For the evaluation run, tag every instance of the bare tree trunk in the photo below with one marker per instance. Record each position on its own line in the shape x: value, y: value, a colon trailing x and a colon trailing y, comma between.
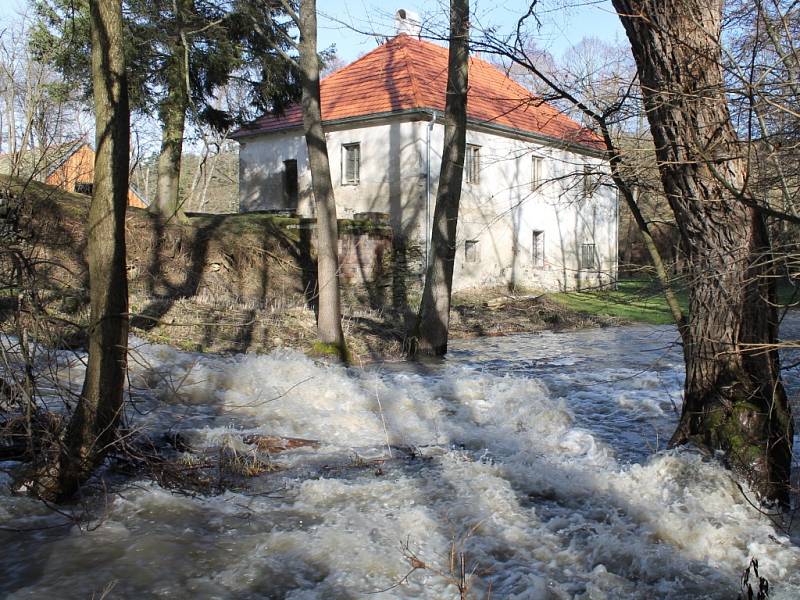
x: 626, y: 191
x: 734, y: 398
x: 627, y: 259
x: 208, y: 176
x: 11, y: 102
x: 329, y: 317
x: 172, y: 114
x: 434, y: 313
x: 92, y: 429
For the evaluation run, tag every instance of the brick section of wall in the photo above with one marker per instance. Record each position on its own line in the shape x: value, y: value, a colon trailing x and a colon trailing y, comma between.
x: 375, y: 268
x: 363, y: 256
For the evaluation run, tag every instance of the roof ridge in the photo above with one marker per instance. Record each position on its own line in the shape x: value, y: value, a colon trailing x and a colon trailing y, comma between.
x: 411, y: 74
x: 361, y: 58
x: 71, y: 147
x: 478, y: 61
x: 515, y: 85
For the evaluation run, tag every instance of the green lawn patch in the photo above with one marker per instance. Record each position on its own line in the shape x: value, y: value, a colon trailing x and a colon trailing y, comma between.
x: 633, y: 300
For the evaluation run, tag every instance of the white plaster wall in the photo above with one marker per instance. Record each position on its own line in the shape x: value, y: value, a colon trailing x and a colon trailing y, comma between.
x: 500, y: 212
x: 392, y: 175
x: 261, y: 172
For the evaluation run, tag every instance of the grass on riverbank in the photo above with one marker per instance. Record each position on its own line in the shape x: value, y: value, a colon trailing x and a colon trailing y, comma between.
x: 633, y: 300
x: 641, y: 300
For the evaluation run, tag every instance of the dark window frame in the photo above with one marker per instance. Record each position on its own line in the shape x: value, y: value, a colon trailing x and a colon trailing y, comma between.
x: 471, y: 252
x: 588, y: 181
x: 351, y: 177
x: 291, y: 183
x: 472, y: 164
x: 537, y: 172
x: 588, y: 257
x: 537, y: 248
x: 84, y: 187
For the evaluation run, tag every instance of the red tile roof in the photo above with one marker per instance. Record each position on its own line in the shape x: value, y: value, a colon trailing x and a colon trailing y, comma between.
x: 407, y: 74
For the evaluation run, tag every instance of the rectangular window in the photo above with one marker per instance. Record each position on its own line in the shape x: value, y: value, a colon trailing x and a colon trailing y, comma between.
x: 537, y: 249
x: 290, y: 183
x: 471, y: 251
x: 472, y: 164
x: 536, y: 172
x: 351, y: 166
x: 588, y: 257
x: 588, y: 181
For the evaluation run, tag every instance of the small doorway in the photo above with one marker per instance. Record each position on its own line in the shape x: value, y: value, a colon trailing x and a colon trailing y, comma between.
x: 290, y: 183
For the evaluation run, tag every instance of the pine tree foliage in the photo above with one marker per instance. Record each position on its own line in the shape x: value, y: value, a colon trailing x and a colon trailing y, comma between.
x: 215, y: 39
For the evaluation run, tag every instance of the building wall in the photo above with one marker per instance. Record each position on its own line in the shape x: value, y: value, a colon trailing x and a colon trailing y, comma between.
x: 78, y: 169
x: 498, y: 213
x: 504, y: 208
x: 391, y: 178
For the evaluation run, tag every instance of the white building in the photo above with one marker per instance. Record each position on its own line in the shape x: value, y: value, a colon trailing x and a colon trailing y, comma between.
x: 537, y: 207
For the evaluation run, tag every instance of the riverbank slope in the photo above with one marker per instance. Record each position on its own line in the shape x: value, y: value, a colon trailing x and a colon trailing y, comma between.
x: 244, y: 283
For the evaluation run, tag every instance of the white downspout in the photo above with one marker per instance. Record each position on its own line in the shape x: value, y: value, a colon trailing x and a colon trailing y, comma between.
x: 428, y: 189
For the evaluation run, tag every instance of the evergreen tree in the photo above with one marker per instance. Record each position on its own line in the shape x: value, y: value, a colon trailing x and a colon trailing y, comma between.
x: 179, y: 54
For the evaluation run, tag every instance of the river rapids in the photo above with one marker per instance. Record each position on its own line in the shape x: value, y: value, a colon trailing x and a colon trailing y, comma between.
x: 540, y: 459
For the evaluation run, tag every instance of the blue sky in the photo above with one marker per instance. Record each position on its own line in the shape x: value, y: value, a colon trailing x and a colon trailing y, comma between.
x: 343, y: 22
x: 8, y: 8
x: 564, y: 22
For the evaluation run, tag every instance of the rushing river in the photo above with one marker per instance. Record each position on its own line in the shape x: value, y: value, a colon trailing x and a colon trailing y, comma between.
x: 540, y: 457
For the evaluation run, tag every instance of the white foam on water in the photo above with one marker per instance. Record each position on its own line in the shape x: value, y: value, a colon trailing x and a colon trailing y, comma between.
x: 515, y: 476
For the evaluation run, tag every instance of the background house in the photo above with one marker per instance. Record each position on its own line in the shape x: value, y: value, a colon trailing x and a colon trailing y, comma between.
x: 536, y: 209
x: 69, y: 166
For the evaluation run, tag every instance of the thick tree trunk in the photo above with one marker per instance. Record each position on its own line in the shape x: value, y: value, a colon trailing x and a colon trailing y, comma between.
x: 733, y: 397
x: 434, y: 313
x: 329, y: 316
x: 92, y: 428
x: 172, y: 113
x: 627, y: 259
x: 173, y: 117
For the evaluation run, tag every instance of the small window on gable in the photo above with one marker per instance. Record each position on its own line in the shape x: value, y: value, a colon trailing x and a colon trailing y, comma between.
x: 472, y: 164
x: 351, y: 163
x: 290, y: 182
x: 471, y: 251
x: 536, y: 172
x: 588, y: 258
x: 83, y: 187
x: 537, y: 249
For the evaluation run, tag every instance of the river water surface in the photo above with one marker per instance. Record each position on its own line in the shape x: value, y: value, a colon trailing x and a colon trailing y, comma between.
x: 540, y: 457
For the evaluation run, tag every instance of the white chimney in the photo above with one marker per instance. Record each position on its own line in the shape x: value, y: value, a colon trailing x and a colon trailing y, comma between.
x: 408, y: 22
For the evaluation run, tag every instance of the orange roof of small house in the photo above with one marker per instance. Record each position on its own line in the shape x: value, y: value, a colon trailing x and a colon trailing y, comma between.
x: 407, y: 74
